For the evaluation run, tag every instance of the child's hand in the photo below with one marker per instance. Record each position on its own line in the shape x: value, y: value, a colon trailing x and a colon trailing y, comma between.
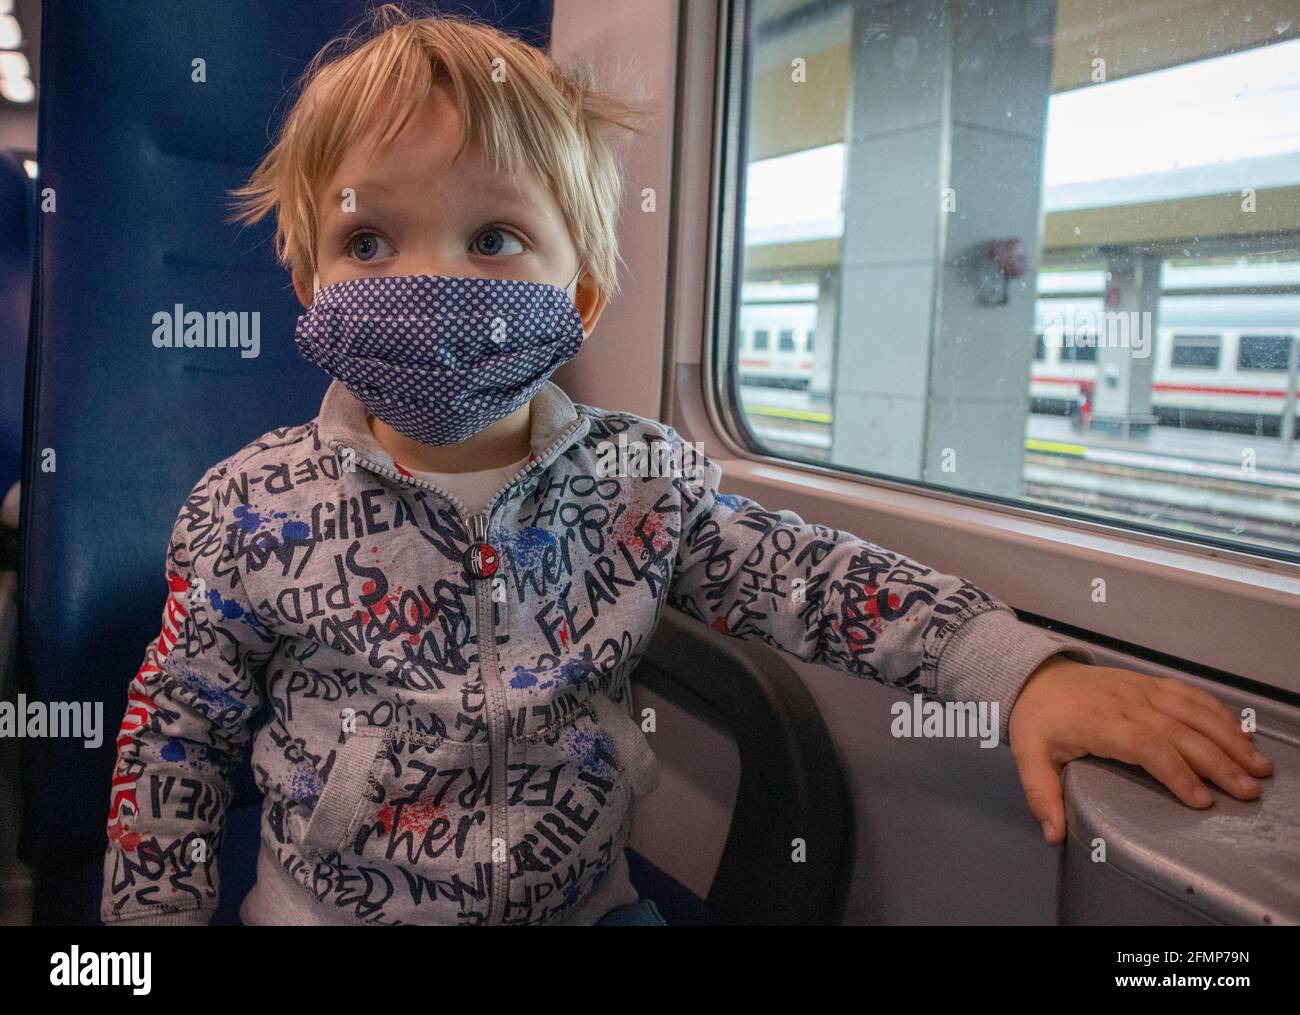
x: 1175, y: 731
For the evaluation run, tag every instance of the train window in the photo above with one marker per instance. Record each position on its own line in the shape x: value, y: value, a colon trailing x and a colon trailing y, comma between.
x: 1077, y: 349
x: 760, y: 339
x: 808, y: 342
x: 955, y: 190
x: 785, y: 340
x: 1199, y: 351
x: 1263, y: 352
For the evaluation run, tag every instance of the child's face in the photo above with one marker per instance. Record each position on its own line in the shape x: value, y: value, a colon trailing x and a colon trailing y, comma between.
x: 416, y: 212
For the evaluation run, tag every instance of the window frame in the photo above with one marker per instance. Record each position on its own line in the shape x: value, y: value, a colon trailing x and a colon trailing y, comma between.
x: 1026, y: 554
x: 724, y: 264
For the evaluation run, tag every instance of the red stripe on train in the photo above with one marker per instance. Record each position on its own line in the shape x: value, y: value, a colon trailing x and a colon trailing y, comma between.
x: 1200, y: 389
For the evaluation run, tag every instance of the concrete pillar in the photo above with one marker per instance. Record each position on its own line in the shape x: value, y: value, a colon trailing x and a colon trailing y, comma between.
x: 828, y: 305
x: 944, y: 143
x: 1288, y: 424
x: 1125, y: 338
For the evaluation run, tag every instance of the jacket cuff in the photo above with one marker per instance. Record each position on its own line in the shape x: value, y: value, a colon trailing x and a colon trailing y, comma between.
x: 183, y: 918
x: 990, y: 657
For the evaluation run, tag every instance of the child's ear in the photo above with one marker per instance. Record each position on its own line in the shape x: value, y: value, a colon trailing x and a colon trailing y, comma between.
x: 302, y: 286
x: 589, y: 298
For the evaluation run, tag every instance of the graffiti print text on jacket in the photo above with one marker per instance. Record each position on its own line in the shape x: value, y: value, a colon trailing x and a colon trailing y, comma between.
x: 436, y: 748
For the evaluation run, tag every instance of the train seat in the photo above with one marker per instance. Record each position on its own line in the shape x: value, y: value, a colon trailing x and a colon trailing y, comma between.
x: 132, y: 430
x: 15, y: 311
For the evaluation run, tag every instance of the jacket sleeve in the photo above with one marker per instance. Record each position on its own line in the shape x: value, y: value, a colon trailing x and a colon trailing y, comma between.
x: 185, y: 728
x: 826, y: 596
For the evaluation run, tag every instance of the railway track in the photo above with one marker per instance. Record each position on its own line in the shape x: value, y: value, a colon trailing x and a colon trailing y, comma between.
x: 1260, y: 508
x: 1239, y: 509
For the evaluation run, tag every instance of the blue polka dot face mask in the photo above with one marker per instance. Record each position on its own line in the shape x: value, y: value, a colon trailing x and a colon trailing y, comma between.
x: 438, y: 357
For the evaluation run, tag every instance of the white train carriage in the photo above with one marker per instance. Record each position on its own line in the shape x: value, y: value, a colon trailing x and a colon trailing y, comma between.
x: 1220, y: 360
x: 778, y: 325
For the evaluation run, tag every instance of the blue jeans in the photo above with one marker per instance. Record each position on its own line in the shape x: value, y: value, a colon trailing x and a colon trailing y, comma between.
x: 639, y: 914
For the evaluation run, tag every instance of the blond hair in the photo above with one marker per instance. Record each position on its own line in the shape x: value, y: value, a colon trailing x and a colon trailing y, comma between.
x: 516, y: 105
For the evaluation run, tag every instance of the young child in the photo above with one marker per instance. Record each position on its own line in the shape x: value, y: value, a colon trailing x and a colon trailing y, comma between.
x: 437, y: 589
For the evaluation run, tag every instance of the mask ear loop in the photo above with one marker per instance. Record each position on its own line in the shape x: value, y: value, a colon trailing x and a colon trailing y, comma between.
x: 571, y: 290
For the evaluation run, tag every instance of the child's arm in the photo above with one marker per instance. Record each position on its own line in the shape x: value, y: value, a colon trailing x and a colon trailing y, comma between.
x: 826, y: 596
x: 185, y: 729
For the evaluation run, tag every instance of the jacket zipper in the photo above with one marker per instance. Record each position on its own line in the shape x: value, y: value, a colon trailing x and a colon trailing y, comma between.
x: 494, y: 692
x: 498, y: 726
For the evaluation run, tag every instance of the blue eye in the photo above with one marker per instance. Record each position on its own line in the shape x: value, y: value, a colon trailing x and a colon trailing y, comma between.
x: 366, y: 246
x: 494, y: 241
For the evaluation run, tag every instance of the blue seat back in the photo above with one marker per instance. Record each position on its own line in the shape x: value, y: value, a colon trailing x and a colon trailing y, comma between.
x: 15, y: 311
x: 139, y: 157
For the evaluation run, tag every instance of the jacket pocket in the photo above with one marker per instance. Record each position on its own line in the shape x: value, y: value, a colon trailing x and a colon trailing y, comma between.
x: 345, y: 792
x: 411, y: 809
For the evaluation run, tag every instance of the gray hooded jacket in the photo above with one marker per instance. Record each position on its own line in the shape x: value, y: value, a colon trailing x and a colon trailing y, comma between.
x: 439, y: 748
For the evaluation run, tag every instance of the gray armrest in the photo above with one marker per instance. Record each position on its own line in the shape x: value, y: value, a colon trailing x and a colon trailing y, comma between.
x: 1237, y: 862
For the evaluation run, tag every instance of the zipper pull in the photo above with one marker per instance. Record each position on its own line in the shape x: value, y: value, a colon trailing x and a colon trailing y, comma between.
x: 481, y: 558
